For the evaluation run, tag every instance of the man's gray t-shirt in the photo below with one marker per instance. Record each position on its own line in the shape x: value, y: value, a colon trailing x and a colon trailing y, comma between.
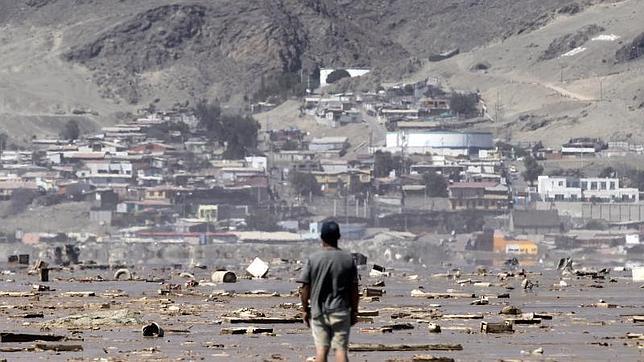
x: 331, y: 273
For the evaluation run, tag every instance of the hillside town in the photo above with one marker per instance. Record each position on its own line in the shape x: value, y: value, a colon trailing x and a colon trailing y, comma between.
x: 430, y: 166
x: 197, y: 217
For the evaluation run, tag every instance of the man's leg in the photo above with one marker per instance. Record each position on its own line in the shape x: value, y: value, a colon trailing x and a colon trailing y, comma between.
x: 322, y: 337
x: 321, y: 353
x: 341, y: 325
x: 341, y: 355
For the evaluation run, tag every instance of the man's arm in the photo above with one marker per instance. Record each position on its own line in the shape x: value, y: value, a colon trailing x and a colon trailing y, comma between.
x: 305, y: 295
x: 355, y: 299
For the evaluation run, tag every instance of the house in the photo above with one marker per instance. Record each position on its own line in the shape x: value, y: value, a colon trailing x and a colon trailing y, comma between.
x: 535, y: 222
x: 479, y: 196
x: 154, y: 149
x: 106, y: 172
x: 582, y: 146
x: 208, y: 212
x: 584, y: 189
x: 331, y: 182
x: 7, y: 188
x: 328, y: 144
x: 494, y: 241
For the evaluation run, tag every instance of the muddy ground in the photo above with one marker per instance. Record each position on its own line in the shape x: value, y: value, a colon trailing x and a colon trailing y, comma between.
x: 591, y: 316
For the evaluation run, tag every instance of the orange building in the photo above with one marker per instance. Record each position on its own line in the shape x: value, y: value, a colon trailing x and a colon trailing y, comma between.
x: 507, y: 245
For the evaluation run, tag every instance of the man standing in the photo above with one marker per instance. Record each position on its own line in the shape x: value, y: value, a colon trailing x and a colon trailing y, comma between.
x: 330, y: 281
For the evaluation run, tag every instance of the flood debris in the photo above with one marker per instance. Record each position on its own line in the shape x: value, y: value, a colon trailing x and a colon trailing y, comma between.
x: 84, y: 294
x: 378, y: 271
x: 447, y: 295
x: 123, y: 274
x: 481, y: 301
x: 258, y: 268
x: 97, y: 319
x: 152, y: 330
x: 433, y: 328
x: 359, y: 258
x: 223, y: 276
x: 510, y: 310
x: 462, y: 316
x: 7, y: 337
x: 429, y: 357
x: 58, y: 347
x: 638, y: 273
x: 565, y: 264
x: 377, y: 347
x: 534, y: 352
x: 264, y: 320
x: 373, y: 292
x: 44, y: 275
x: 502, y: 327
x: 246, y: 330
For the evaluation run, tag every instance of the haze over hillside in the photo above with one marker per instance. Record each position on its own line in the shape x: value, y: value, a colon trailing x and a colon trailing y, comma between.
x: 95, y: 60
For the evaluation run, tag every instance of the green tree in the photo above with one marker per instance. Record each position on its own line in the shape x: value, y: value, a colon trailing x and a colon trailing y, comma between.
x: 71, y: 130
x: 238, y: 133
x: 4, y: 139
x: 336, y: 75
x: 20, y: 200
x: 435, y: 184
x: 263, y: 220
x: 463, y: 103
x: 532, y: 170
x: 209, y: 116
x: 384, y: 163
x: 304, y: 183
x: 608, y: 172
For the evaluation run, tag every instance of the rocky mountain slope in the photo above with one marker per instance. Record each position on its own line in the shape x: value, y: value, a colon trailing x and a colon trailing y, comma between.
x: 95, y: 60
x: 578, y: 76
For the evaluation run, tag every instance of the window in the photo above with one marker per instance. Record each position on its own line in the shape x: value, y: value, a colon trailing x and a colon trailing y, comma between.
x: 612, y: 185
x: 584, y: 185
x: 593, y: 185
x: 561, y: 183
x: 559, y: 197
x: 602, y: 185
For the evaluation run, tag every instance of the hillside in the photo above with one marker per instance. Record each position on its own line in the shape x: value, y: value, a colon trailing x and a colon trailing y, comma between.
x: 96, y: 60
x: 577, y: 76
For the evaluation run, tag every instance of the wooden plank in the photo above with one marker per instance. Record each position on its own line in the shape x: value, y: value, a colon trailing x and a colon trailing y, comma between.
x: 8, y: 337
x: 503, y: 327
x: 59, y: 347
x: 429, y: 357
x: 249, y: 330
x: 377, y: 347
x: 264, y: 320
x: 462, y: 316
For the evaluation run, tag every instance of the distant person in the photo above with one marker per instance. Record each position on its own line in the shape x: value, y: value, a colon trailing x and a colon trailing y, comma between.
x: 330, y: 281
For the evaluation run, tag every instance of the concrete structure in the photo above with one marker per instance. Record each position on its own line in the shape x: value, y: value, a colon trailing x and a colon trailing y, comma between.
x: 584, y: 189
x: 479, y: 196
x: 328, y: 144
x: 353, y: 72
x: 442, y: 142
x: 535, y: 222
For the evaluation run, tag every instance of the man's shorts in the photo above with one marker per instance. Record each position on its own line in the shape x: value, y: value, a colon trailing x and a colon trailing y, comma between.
x: 332, y: 329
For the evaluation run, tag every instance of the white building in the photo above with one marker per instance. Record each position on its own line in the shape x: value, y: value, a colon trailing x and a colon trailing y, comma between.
x: 452, y: 143
x: 584, y: 189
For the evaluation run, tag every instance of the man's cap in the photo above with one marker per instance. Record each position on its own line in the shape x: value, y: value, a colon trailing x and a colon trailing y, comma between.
x: 330, y: 231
